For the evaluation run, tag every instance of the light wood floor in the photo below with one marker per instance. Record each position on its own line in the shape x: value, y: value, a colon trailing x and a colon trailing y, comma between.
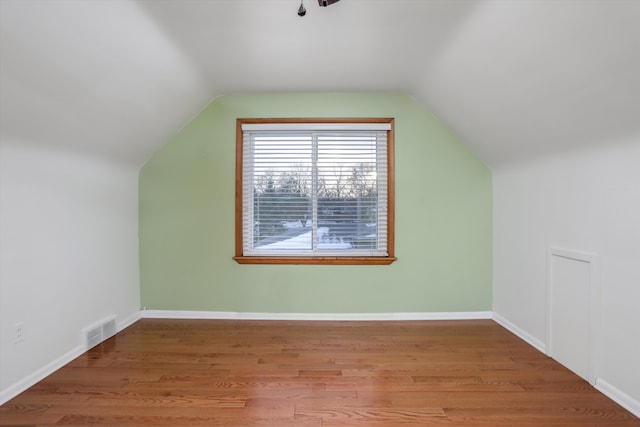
x: 320, y: 374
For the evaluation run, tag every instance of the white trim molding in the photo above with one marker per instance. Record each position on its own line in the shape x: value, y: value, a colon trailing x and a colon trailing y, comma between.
x: 229, y: 315
x: 37, y: 376
x: 521, y: 333
x: 128, y: 321
x: 48, y: 369
x: 629, y: 403
x: 618, y: 396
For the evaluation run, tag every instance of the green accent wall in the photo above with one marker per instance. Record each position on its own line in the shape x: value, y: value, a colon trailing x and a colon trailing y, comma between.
x: 443, y: 219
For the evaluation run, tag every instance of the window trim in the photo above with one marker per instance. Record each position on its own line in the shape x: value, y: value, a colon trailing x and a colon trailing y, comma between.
x: 335, y: 260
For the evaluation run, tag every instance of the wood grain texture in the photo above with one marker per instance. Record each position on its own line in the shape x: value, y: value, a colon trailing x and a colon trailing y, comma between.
x: 314, y: 374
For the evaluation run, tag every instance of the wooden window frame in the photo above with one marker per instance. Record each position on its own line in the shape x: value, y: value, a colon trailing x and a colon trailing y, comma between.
x: 315, y: 260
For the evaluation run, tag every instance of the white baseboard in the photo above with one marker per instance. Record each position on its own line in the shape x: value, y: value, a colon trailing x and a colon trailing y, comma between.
x: 33, y: 378
x: 613, y: 393
x: 125, y: 323
x: 539, y: 345
x: 40, y: 374
x: 229, y: 315
x: 618, y: 396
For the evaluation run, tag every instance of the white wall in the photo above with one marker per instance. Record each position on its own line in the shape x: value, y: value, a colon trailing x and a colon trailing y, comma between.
x: 586, y: 201
x: 68, y: 255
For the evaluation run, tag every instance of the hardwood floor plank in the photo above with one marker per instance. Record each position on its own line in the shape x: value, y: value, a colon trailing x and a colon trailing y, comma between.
x: 127, y: 421
x: 569, y: 417
x: 372, y: 414
x: 302, y: 394
x: 314, y: 374
x: 196, y: 410
x: 172, y: 400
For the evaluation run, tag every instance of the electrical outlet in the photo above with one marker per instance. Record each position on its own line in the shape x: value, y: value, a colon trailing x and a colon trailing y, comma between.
x: 19, y: 332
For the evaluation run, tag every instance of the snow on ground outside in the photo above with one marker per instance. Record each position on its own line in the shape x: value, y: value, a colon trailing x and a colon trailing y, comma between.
x: 303, y: 241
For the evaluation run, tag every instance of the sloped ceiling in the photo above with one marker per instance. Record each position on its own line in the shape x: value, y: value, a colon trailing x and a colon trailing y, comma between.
x: 512, y: 79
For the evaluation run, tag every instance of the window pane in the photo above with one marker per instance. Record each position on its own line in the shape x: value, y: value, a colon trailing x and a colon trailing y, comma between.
x: 282, y: 193
x: 347, y: 191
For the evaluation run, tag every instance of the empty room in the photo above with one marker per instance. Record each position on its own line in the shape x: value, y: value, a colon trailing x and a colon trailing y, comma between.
x: 320, y: 212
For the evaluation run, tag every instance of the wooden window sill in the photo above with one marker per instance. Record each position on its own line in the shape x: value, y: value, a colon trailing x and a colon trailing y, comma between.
x: 315, y: 260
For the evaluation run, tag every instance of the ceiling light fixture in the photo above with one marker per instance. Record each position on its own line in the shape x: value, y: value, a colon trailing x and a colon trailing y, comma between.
x: 322, y: 3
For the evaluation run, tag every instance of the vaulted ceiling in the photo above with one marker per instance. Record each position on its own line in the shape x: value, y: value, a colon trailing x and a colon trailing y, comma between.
x: 512, y: 78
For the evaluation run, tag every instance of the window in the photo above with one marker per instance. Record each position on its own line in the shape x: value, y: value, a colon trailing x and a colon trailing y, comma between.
x: 314, y: 191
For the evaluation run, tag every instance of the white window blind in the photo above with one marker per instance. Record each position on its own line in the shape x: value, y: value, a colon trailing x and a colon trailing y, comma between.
x: 310, y: 190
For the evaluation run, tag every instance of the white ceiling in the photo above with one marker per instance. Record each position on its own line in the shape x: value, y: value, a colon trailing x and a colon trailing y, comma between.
x: 512, y: 78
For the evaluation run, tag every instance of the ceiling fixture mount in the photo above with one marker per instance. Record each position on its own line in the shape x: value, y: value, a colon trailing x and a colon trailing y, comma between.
x: 322, y: 3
